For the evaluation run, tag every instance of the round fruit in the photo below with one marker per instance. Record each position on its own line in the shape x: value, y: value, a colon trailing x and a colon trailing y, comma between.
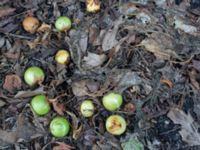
x: 30, y: 24
x: 40, y: 105
x: 87, y: 108
x: 115, y: 125
x: 63, y: 23
x: 62, y: 57
x: 92, y: 5
x: 34, y: 75
x: 59, y: 127
x: 112, y: 101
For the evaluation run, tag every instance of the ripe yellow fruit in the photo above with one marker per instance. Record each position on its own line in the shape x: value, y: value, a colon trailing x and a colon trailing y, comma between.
x: 92, y: 5
x: 30, y: 24
x: 62, y: 57
x: 116, y: 125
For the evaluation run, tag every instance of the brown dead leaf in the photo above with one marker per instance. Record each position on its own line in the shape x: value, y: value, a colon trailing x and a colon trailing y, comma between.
x: 196, y: 64
x: 155, y: 48
x: 12, y: 82
x: 168, y: 82
x: 109, y: 40
x: 62, y: 146
x: 193, y: 74
x: 75, y: 125
x: 189, y: 131
x: 93, y: 60
x: 24, y: 131
x: 24, y: 94
x: 44, y: 28
x: 58, y: 107
x: 79, y: 88
x: 5, y: 11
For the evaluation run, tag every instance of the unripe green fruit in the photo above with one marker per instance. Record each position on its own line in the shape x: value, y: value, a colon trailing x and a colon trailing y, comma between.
x: 59, y: 127
x: 63, y: 23
x: 40, y: 105
x: 112, y: 101
x: 115, y: 125
x: 87, y: 108
x: 34, y: 75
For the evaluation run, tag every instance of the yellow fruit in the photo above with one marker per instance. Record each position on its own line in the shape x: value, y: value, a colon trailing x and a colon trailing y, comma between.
x: 93, y: 5
x: 62, y: 57
x: 30, y: 24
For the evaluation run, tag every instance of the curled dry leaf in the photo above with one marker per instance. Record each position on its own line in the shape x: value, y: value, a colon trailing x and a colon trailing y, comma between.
x: 189, y: 130
x: 77, y: 130
x: 24, y: 94
x: 93, y: 60
x: 58, y: 107
x: 44, y: 28
x: 12, y: 82
x: 167, y: 82
x: 62, y: 146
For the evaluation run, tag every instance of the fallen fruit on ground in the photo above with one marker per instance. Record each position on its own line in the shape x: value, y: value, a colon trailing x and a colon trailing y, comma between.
x: 34, y: 75
x: 62, y: 57
x: 112, y: 101
x: 116, y: 125
x: 59, y: 127
x: 30, y: 24
x: 40, y: 105
x: 87, y: 108
x: 63, y: 23
x: 92, y: 5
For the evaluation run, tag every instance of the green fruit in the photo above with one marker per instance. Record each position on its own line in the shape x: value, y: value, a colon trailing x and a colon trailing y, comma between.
x: 87, y: 108
x: 63, y: 23
x: 34, y: 75
x: 112, y: 101
x: 40, y: 105
x: 59, y: 127
x: 115, y: 125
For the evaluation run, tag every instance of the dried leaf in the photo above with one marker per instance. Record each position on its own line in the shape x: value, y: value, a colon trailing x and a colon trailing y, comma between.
x: 94, y: 60
x: 157, y: 49
x: 125, y: 78
x: 8, y: 137
x: 58, y: 107
x: 4, y: 11
x: 79, y: 88
x: 44, y: 28
x: 189, y: 131
x: 196, y: 64
x: 109, y: 40
x: 2, y: 103
x: 168, y: 82
x: 62, y: 146
x: 12, y: 82
x: 24, y: 94
x: 193, y: 74
x: 179, y: 24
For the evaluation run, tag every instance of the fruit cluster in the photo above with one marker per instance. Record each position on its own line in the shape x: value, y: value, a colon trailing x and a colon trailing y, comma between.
x: 34, y: 75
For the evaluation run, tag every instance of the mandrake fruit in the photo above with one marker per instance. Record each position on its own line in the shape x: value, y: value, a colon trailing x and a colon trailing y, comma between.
x: 30, y: 24
x: 62, y: 57
x: 112, y: 101
x: 87, y: 108
x: 116, y: 125
x: 34, y: 75
x: 59, y: 127
x: 63, y: 23
x: 92, y: 5
x: 40, y: 105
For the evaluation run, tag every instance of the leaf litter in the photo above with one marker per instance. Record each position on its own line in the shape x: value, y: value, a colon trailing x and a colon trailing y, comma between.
x: 146, y: 50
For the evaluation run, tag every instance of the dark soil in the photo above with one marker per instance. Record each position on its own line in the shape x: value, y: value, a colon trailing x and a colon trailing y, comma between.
x: 147, y: 50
